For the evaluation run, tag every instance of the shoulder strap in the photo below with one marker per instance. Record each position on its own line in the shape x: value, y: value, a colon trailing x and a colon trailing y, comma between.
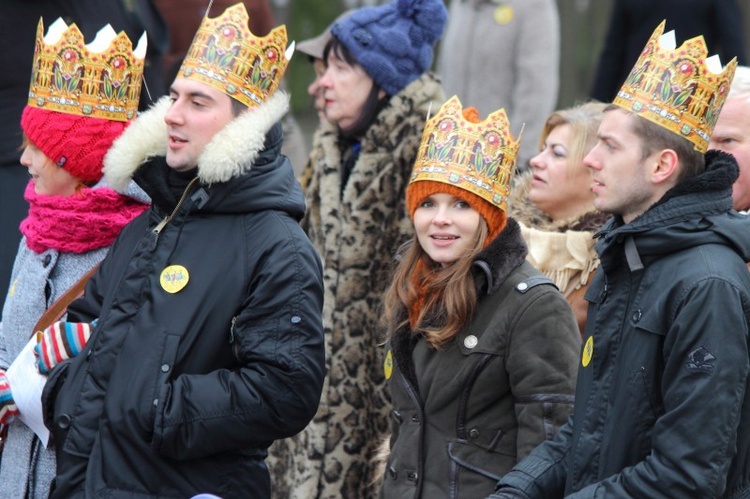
x: 58, y: 309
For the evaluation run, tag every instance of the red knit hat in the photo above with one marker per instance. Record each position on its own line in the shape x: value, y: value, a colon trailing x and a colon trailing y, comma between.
x: 492, y: 215
x: 76, y: 143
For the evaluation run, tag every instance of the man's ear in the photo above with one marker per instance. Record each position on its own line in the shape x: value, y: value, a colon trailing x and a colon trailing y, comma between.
x: 666, y: 168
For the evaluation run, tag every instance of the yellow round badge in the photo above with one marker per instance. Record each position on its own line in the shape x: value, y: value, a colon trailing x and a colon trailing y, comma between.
x: 504, y: 14
x: 588, y: 352
x: 174, y: 278
x: 388, y: 365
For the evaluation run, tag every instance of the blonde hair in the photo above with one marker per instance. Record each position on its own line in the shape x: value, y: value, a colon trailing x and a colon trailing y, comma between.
x: 584, y: 120
x: 448, y: 294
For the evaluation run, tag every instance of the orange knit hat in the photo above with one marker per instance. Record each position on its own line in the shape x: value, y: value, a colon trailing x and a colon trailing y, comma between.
x: 492, y: 215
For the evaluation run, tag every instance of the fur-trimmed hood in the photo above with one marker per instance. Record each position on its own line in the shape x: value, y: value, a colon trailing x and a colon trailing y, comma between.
x: 231, y: 152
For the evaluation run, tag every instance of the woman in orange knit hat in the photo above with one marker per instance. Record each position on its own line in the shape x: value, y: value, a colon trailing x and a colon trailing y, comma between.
x: 482, y: 349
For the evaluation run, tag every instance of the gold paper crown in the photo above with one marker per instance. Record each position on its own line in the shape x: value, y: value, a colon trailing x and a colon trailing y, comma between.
x: 227, y: 56
x: 100, y: 80
x: 477, y: 157
x: 679, y: 89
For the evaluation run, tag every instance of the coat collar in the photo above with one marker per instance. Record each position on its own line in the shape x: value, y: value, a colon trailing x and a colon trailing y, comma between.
x: 503, y: 255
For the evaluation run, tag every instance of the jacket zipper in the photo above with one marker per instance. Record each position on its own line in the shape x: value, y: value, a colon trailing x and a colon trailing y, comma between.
x: 160, y: 226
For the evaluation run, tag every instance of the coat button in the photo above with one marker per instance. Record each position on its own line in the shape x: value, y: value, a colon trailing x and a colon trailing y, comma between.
x: 474, y: 433
x: 470, y: 341
x: 47, y: 259
x: 415, y: 418
x: 156, y: 402
x: 64, y: 422
x: 637, y: 315
x: 164, y: 368
x: 397, y: 417
x: 392, y: 472
x: 412, y: 476
x: 522, y: 286
x: 296, y: 319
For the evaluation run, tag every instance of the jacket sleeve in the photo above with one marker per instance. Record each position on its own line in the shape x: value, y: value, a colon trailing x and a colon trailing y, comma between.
x: 541, y: 475
x: 542, y: 365
x: 704, y: 381
x: 278, y: 340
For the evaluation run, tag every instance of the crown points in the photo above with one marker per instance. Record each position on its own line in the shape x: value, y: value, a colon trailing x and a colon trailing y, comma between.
x: 458, y: 149
x: 101, y: 79
x: 680, y: 89
x: 226, y: 55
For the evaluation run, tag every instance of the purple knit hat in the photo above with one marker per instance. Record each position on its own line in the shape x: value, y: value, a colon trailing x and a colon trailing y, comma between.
x: 393, y: 42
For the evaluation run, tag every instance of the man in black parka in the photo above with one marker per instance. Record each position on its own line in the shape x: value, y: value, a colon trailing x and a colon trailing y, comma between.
x: 662, y: 406
x: 209, y: 343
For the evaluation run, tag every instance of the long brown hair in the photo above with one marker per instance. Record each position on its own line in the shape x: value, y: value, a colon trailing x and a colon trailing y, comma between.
x: 437, y: 301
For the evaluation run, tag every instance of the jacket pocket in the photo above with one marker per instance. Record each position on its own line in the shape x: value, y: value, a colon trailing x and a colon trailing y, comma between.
x: 474, y: 471
x: 160, y: 390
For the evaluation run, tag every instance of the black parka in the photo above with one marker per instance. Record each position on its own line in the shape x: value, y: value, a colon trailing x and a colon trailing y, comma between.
x: 181, y: 392
x: 662, y: 402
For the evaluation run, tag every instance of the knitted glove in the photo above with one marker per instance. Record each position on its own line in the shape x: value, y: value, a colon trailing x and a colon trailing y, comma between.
x: 8, y: 409
x: 60, y: 341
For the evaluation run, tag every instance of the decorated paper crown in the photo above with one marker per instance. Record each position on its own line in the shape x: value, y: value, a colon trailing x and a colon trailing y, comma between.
x: 477, y: 157
x: 100, y: 80
x: 681, y: 90
x: 227, y: 56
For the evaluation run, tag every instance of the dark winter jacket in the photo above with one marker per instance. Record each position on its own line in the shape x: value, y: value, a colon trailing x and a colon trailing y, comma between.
x: 194, y: 371
x: 463, y: 415
x: 662, y: 406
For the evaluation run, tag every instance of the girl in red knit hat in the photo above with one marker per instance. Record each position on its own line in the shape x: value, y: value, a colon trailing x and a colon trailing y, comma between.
x: 482, y: 349
x: 73, y: 219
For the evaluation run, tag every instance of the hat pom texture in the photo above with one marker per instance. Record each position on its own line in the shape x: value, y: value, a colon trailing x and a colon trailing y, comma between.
x: 393, y: 42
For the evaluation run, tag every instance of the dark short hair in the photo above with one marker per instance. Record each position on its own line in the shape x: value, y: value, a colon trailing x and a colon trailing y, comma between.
x: 655, y: 138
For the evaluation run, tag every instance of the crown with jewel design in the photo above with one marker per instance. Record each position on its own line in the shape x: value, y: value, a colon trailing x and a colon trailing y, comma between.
x: 682, y: 90
x: 477, y: 157
x: 99, y: 80
x: 227, y: 56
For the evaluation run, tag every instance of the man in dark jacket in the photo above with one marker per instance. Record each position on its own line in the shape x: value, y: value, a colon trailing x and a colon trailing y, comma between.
x: 662, y: 405
x: 209, y: 341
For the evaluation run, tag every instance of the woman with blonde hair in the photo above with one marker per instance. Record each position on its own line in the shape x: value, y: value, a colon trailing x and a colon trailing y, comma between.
x: 554, y: 204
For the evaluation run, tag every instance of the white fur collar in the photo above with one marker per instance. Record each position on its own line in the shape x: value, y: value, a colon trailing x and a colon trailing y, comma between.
x: 230, y: 153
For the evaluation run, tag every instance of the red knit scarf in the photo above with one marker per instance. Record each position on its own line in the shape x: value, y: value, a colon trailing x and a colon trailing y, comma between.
x: 88, y: 220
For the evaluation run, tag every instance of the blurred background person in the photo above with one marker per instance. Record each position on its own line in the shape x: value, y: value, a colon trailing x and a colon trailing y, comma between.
x: 504, y: 54
x: 482, y: 349
x: 631, y: 23
x: 554, y: 204
x: 72, y: 219
x: 732, y: 134
x: 377, y: 92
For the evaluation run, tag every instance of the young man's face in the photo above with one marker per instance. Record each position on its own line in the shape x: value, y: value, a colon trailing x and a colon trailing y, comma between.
x: 620, y: 175
x: 198, y: 112
x: 732, y: 134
